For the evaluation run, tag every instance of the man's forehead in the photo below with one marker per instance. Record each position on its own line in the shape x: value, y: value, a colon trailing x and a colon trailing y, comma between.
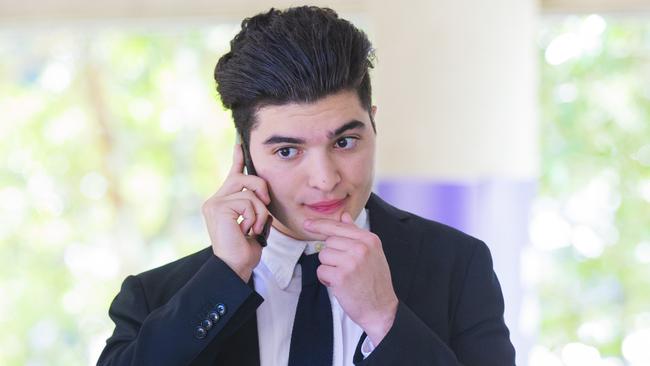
x: 341, y: 102
x: 321, y: 117
x: 303, y: 136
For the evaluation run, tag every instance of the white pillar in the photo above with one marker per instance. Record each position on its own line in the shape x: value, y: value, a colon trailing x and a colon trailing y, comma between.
x: 455, y: 84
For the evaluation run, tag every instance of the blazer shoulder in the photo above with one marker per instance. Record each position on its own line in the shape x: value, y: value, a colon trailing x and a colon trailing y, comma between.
x: 431, y: 235
x: 444, y: 238
x: 441, y: 233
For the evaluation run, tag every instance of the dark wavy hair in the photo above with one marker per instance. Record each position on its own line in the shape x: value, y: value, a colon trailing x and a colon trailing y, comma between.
x: 299, y: 55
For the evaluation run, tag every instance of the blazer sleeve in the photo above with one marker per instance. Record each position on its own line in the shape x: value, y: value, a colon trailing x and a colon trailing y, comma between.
x: 167, y: 335
x: 479, y: 335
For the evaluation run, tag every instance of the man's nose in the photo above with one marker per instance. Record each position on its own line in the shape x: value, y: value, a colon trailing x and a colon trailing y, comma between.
x: 323, y: 173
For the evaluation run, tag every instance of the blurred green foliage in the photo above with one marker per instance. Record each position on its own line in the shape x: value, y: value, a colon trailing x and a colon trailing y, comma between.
x: 111, y: 141
x: 595, y: 134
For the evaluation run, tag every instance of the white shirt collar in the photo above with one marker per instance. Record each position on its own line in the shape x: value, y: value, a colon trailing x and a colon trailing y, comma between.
x: 282, y: 252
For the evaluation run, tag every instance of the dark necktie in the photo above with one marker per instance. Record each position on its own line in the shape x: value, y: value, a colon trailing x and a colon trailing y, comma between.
x: 312, y: 338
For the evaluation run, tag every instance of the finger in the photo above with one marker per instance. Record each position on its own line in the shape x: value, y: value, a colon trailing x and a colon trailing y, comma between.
x: 237, y: 161
x: 339, y: 243
x: 329, y: 227
x: 327, y: 275
x: 347, y: 218
x: 350, y: 248
x: 261, y: 212
x: 333, y: 257
x: 240, y: 182
x: 255, y: 184
x: 245, y: 226
x: 245, y: 209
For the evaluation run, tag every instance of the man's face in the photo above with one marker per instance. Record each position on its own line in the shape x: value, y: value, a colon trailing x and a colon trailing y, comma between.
x: 317, y: 158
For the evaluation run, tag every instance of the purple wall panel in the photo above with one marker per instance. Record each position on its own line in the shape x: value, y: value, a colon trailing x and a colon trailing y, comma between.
x: 478, y: 208
x: 494, y: 210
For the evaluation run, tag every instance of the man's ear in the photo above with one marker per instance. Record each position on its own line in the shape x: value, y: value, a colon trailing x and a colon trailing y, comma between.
x: 373, y: 111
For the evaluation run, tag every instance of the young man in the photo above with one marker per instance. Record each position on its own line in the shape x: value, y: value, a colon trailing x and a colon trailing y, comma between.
x: 343, y: 278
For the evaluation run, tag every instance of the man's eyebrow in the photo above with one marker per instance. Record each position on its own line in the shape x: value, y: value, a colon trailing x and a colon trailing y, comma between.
x: 275, y: 139
x: 348, y: 126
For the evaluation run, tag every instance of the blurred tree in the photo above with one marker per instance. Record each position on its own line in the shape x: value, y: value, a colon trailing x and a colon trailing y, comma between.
x: 111, y: 141
x: 591, y: 223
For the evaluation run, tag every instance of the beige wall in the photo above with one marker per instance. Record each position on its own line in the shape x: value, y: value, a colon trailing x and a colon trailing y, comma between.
x: 455, y: 85
x: 71, y: 9
x: 48, y: 9
x: 595, y: 6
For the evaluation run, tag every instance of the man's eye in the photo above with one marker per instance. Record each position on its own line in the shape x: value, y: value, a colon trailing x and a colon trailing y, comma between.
x: 346, y: 142
x: 287, y: 152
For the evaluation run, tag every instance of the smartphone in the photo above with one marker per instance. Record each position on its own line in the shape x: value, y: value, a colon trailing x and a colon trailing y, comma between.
x: 250, y: 170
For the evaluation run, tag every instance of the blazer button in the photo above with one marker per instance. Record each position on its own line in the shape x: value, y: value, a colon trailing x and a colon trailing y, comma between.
x: 200, y: 333
x: 221, y: 309
x: 207, y: 324
x: 213, y: 317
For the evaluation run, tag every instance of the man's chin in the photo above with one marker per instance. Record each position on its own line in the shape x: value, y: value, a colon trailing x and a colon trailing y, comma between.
x: 295, y: 228
x: 293, y: 233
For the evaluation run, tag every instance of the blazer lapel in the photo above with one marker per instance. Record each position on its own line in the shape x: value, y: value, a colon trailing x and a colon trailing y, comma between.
x: 399, y: 244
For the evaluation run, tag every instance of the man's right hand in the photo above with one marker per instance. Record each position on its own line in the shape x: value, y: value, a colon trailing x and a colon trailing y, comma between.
x: 221, y: 211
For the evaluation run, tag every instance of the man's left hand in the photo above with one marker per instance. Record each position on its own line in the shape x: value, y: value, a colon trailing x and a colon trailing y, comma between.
x: 354, y: 267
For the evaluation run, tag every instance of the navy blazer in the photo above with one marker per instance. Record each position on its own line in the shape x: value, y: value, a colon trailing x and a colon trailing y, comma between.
x: 450, y: 308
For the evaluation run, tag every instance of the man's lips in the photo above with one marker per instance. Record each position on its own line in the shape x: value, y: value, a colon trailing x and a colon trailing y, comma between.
x: 327, y: 206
